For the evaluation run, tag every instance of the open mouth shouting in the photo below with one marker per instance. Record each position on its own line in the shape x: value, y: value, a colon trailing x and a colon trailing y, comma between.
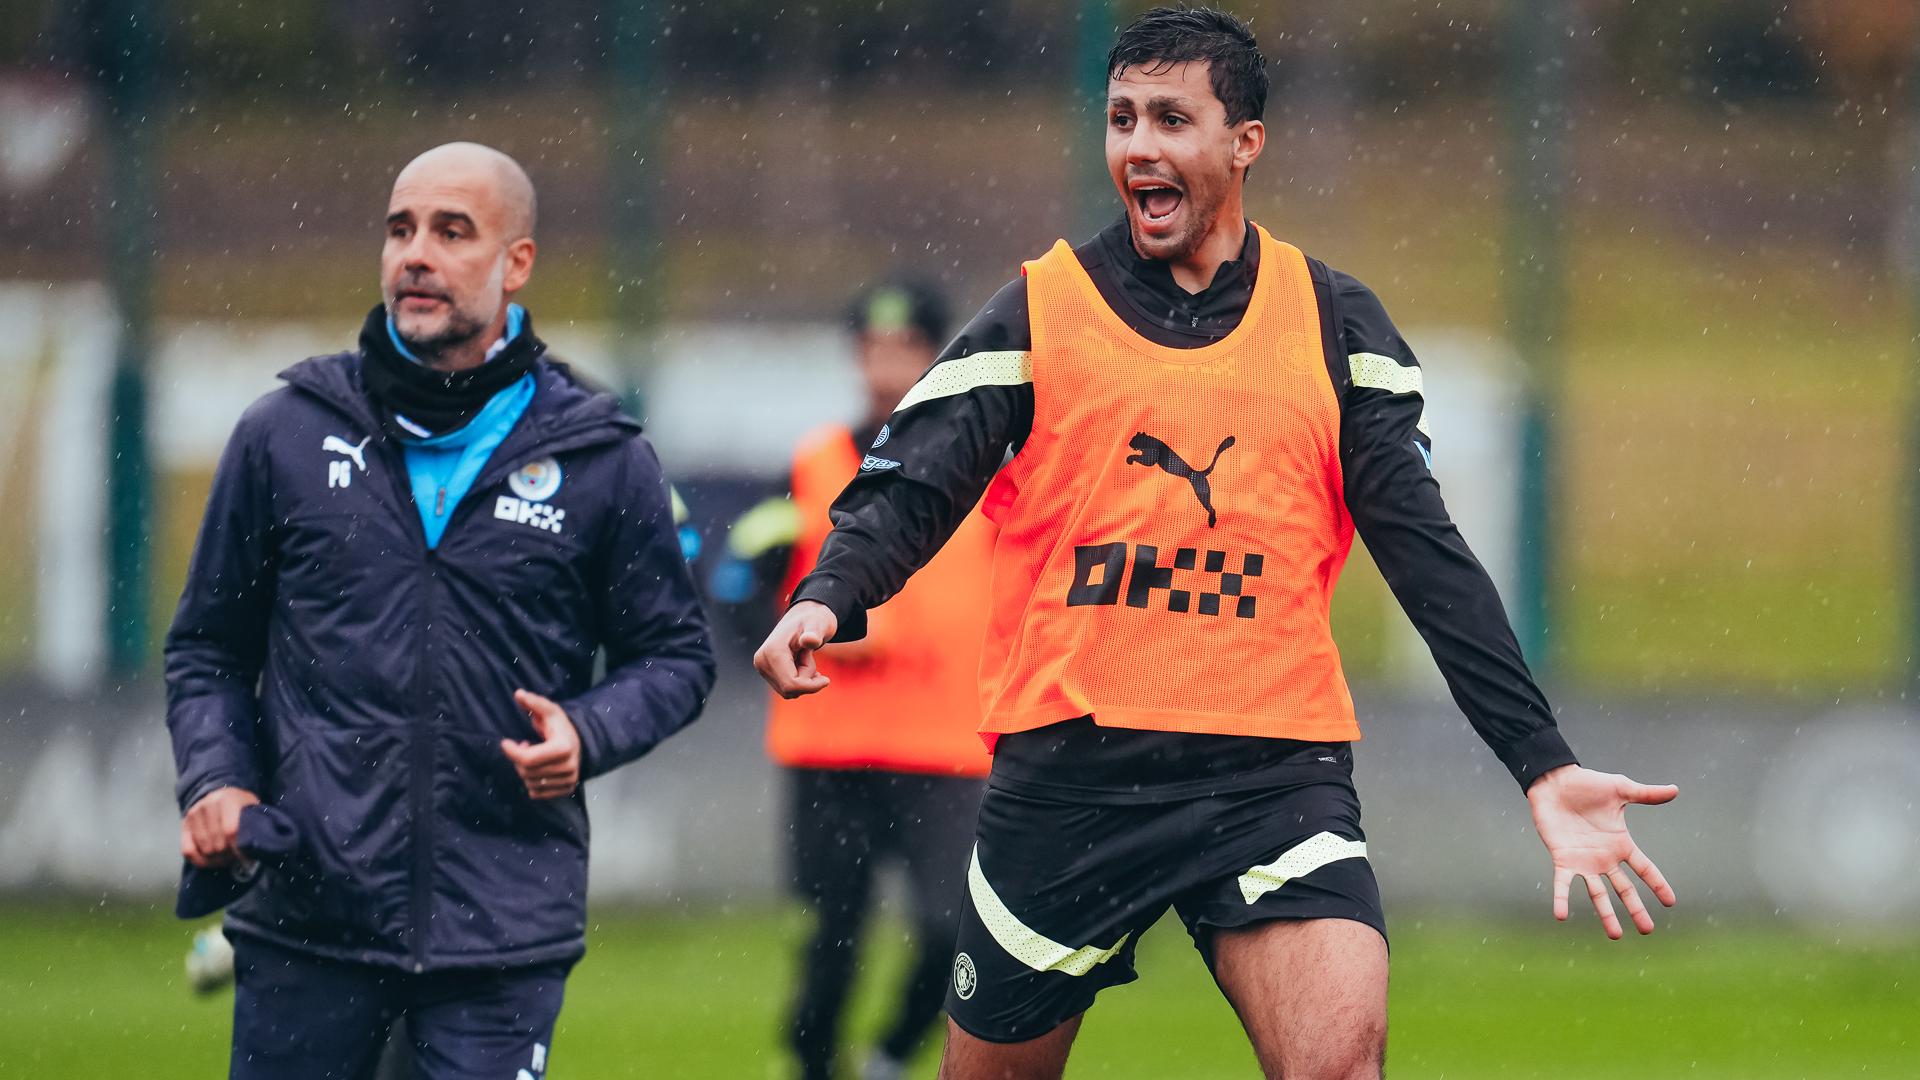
x: 1158, y: 199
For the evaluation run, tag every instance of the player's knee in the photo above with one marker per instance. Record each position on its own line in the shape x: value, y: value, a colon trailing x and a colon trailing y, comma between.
x: 1359, y: 1056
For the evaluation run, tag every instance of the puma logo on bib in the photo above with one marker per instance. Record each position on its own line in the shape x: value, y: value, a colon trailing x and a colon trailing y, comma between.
x: 1154, y: 452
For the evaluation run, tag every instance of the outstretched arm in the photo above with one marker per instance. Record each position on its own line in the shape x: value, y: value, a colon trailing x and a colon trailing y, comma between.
x: 1582, y: 817
x: 938, y: 453
x: 1397, y: 509
x: 1396, y: 506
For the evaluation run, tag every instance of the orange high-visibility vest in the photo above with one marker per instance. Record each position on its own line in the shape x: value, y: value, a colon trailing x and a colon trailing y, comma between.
x: 907, y: 697
x: 1171, y: 533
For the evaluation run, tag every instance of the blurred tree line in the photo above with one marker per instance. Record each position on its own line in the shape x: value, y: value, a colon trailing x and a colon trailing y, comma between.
x: 1713, y: 50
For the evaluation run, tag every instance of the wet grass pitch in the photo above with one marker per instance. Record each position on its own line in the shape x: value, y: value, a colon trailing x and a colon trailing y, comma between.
x: 702, y: 992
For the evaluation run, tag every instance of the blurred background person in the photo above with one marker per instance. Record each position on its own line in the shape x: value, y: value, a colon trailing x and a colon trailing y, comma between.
x: 892, y: 765
x: 380, y: 676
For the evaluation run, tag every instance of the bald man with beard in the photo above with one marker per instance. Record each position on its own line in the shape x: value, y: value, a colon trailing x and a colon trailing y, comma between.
x: 380, y: 676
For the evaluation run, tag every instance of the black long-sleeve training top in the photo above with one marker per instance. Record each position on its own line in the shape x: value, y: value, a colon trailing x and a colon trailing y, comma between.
x: 892, y: 520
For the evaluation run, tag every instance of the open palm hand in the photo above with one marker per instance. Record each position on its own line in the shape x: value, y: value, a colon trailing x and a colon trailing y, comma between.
x: 1582, y: 817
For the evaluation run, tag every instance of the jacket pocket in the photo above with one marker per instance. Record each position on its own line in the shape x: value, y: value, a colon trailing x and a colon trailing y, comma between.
x: 510, y: 872
x: 345, y: 790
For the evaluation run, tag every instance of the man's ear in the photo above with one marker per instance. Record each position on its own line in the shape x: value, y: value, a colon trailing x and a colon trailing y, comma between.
x: 1248, y: 144
x: 519, y: 264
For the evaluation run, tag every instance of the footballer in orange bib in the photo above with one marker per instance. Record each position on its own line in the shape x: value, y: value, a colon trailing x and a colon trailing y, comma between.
x: 1195, y: 419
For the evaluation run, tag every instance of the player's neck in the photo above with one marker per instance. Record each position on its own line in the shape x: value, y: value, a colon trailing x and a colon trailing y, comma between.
x: 1224, y: 242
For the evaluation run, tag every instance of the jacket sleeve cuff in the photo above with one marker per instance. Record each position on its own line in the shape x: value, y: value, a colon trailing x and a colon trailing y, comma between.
x: 191, y: 790
x: 593, y: 739
x: 635, y: 708
x: 212, y: 746
x: 838, y: 597
x: 1536, y: 755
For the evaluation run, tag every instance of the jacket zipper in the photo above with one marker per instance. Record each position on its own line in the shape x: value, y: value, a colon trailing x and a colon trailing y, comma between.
x: 420, y: 782
x: 420, y: 752
x: 420, y: 906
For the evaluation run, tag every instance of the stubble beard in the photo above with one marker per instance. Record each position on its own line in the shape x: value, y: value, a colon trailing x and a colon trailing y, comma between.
x: 460, y: 328
x: 1199, y: 221
x: 465, y: 322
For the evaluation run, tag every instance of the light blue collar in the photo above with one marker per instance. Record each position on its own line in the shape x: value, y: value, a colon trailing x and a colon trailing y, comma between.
x: 441, y: 470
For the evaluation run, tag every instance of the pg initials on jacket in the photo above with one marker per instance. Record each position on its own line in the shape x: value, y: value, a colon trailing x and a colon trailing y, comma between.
x: 1171, y: 533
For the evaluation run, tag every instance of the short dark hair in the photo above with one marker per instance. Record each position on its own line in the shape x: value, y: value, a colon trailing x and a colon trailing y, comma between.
x: 1167, y: 36
x: 900, y: 303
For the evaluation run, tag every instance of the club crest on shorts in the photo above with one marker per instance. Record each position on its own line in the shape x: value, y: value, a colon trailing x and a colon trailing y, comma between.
x: 965, y: 979
x: 536, y: 481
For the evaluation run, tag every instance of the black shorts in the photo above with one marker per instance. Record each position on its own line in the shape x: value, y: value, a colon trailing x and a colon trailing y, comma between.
x: 1059, y: 891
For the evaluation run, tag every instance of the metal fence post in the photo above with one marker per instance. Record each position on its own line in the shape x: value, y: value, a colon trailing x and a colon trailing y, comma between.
x: 1093, y: 199
x: 636, y: 255
x: 1535, y: 92
x: 1910, y: 196
x: 129, y: 79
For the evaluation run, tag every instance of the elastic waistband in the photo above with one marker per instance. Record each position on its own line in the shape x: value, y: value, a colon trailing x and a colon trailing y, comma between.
x: 1077, y: 760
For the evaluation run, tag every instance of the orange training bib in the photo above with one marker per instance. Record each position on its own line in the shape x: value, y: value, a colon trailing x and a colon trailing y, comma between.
x: 906, y: 698
x: 1171, y: 533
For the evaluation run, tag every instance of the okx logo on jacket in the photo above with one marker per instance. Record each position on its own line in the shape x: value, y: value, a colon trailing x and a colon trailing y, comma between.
x: 533, y: 484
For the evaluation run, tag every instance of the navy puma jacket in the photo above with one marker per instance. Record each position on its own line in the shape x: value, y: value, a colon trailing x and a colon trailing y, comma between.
x: 324, y: 658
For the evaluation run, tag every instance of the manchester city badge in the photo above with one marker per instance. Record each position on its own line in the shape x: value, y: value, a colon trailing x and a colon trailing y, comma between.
x: 536, y: 481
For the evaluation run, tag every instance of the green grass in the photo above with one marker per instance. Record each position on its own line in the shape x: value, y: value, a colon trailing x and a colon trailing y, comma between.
x: 99, y: 992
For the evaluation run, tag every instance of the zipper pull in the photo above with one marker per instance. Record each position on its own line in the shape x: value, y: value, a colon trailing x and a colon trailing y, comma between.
x: 440, y: 503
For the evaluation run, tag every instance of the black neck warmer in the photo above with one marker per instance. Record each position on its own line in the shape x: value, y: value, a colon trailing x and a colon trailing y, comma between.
x: 440, y: 401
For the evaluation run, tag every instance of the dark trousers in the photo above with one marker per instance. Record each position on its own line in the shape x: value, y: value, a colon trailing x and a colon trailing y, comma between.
x: 301, y: 1017
x: 842, y: 820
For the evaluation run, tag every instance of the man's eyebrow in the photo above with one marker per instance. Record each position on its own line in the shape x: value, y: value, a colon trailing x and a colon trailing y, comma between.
x: 1157, y: 103
x: 441, y: 216
x: 399, y: 215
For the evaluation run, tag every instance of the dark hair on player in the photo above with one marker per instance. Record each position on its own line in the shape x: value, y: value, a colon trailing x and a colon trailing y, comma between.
x: 900, y: 303
x: 1167, y: 36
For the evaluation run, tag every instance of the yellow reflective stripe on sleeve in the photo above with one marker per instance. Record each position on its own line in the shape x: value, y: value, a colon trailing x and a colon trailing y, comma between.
x: 1385, y: 373
x: 679, y: 505
x: 1302, y: 859
x: 962, y: 375
x: 1022, y: 942
x: 771, y: 524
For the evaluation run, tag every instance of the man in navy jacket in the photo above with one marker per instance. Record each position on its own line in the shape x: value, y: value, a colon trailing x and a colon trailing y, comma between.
x: 384, y: 659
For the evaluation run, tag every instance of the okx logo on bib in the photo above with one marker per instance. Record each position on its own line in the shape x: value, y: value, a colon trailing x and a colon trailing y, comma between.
x: 1100, y: 569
